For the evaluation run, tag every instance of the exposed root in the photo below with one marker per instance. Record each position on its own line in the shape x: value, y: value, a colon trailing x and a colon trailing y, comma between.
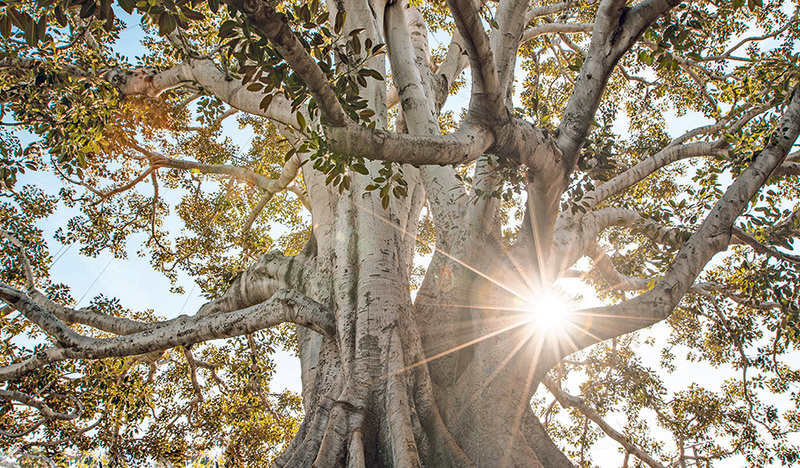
x: 356, y: 450
x: 398, y: 408
x: 335, y: 437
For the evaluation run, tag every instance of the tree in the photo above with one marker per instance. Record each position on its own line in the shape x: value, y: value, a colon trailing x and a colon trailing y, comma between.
x: 346, y: 104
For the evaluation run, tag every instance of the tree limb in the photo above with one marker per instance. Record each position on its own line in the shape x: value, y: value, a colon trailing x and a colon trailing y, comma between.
x: 712, y: 236
x: 569, y: 401
x: 484, y: 72
x: 275, y: 27
x: 284, y: 306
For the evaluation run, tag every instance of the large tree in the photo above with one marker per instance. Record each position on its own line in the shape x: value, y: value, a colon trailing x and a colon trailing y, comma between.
x: 561, y: 165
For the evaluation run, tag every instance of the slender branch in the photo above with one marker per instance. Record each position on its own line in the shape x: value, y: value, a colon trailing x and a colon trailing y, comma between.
x: 71, y: 437
x: 747, y: 116
x: 569, y: 401
x: 30, y: 64
x: 536, y: 12
x: 555, y: 28
x: 759, y: 247
x: 616, y: 280
x: 269, y: 185
x: 648, y: 166
x: 27, y: 271
x: 217, y: 123
x: 40, y: 405
x: 727, y: 54
x: 288, y: 174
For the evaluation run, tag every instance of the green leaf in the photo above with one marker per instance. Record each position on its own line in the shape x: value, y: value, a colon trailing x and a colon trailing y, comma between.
x: 266, y: 101
x: 127, y: 5
x: 361, y: 169
x: 30, y: 33
x: 226, y: 29
x: 339, y: 21
x: 5, y: 26
x: 193, y: 15
x: 753, y: 4
x: 166, y: 24
x: 371, y: 73
x: 18, y: 19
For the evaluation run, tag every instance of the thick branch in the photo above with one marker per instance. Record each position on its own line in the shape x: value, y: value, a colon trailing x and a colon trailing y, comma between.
x: 208, y: 76
x: 37, y: 314
x: 284, y: 306
x: 615, y: 30
x: 468, y: 21
x: 274, y: 26
x: 712, y: 236
x: 505, y: 40
x: 467, y: 144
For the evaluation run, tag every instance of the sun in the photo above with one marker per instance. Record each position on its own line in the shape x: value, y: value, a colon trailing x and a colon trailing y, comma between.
x: 548, y: 311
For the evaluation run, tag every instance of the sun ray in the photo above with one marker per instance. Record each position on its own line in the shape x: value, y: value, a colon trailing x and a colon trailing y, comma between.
x: 522, y: 342
x: 441, y: 251
x: 454, y: 349
x: 524, y: 402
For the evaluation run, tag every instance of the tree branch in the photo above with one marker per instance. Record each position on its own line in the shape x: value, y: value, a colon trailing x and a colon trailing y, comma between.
x: 485, y: 79
x: 27, y: 271
x: 288, y: 174
x: 505, y: 41
x: 467, y: 144
x: 555, y: 28
x: 759, y: 247
x: 616, y: 29
x: 284, y: 306
x: 47, y: 412
x: 274, y: 26
x: 569, y: 401
x: 648, y: 166
x: 712, y: 236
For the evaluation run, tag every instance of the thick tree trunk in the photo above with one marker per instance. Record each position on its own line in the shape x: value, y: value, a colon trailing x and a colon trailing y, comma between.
x: 445, y: 381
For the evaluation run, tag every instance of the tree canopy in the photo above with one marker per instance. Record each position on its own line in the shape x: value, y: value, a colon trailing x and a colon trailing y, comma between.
x: 407, y: 195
